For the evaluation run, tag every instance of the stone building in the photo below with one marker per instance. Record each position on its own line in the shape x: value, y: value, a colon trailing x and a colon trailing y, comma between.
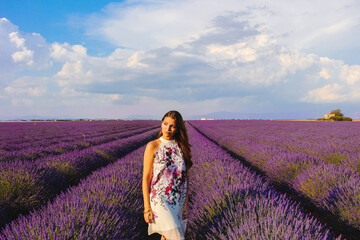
x: 329, y: 115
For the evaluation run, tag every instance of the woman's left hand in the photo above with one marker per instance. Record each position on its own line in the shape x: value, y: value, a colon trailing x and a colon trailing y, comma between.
x: 185, y: 212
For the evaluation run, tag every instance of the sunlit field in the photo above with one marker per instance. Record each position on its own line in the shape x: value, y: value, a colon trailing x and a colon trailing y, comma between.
x: 251, y: 179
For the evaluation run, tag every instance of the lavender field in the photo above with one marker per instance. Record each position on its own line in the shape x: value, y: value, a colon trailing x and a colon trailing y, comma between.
x: 82, y: 180
x: 316, y: 161
x: 40, y: 159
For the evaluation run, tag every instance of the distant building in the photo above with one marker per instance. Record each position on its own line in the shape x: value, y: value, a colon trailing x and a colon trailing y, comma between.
x: 329, y: 115
x: 207, y: 119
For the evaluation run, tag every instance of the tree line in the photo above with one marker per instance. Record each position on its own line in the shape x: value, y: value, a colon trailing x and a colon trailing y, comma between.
x: 337, y: 116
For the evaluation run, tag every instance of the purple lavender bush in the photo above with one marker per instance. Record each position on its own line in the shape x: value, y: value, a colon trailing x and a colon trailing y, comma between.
x: 32, y: 150
x: 318, y: 181
x: 315, y: 159
x: 344, y: 200
x: 228, y: 201
x: 105, y: 205
x: 335, y: 188
x: 26, y: 185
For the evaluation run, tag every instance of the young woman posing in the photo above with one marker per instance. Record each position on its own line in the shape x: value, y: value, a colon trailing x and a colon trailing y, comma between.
x: 167, y: 161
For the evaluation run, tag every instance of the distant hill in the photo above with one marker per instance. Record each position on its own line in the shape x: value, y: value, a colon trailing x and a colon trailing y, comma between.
x: 143, y: 117
x: 239, y: 115
x: 37, y: 117
x: 31, y: 117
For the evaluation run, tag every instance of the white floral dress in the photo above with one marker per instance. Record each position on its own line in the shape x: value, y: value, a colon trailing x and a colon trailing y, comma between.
x: 168, y: 191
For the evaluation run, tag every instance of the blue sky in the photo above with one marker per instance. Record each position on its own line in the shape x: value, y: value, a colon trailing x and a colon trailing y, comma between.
x: 139, y: 59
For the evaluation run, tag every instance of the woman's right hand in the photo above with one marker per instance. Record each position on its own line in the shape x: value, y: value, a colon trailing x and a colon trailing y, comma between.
x: 149, y: 216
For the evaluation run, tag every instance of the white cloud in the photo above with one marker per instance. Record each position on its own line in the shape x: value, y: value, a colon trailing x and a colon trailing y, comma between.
x: 73, y: 72
x: 75, y: 60
x: 339, y: 82
x: 300, y: 25
x: 135, y: 60
x: 66, y: 52
x: 21, y: 51
x: 68, y: 95
x: 28, y: 102
x: 311, y: 25
x: 70, y: 92
x: 30, y: 91
x: 14, y: 38
x: 23, y: 56
x: 190, y: 55
x: 236, y: 52
x: 120, y: 55
x: 324, y: 73
x: 27, y: 87
x: 161, y: 23
x: 328, y: 93
x: 213, y: 64
x: 351, y: 74
x: 291, y: 61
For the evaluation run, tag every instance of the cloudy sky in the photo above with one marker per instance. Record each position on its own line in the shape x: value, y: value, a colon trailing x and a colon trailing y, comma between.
x: 141, y: 58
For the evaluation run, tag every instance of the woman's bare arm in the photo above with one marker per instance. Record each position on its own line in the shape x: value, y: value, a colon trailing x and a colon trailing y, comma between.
x: 186, y: 209
x: 147, y: 173
x: 187, y: 188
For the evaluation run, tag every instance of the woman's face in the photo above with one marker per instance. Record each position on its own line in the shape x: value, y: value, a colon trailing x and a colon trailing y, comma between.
x: 168, y: 128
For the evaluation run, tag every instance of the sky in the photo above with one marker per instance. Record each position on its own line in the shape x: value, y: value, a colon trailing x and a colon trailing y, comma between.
x: 138, y: 59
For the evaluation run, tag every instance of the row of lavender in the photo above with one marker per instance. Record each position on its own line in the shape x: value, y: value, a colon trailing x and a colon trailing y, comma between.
x: 46, y: 134
x: 25, y: 185
x: 15, y: 133
x: 332, y: 142
x: 34, y: 149
x: 310, y: 157
x: 105, y: 205
x: 227, y: 201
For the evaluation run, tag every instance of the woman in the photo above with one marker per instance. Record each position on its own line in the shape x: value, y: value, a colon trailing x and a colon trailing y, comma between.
x: 167, y: 161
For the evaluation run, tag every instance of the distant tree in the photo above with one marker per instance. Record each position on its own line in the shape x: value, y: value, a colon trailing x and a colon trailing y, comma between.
x: 339, y: 118
x: 337, y: 112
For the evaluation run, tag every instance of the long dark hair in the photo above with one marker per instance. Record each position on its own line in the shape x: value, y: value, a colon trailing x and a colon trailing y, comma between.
x: 181, y: 137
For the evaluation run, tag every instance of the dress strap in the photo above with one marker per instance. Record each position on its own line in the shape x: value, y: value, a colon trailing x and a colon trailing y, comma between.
x: 167, y: 141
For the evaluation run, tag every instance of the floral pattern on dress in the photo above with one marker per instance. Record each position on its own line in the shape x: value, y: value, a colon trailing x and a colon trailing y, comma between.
x: 168, y: 184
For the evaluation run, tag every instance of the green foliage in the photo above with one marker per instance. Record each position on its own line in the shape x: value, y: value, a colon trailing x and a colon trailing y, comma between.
x: 336, y: 118
x: 337, y: 113
x: 340, y: 118
x: 16, y: 186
